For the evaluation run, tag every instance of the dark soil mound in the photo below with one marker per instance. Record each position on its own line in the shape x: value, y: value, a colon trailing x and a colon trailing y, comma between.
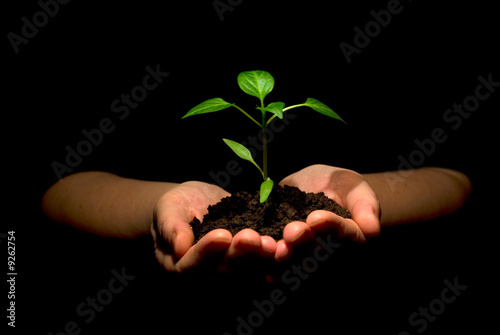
x: 243, y: 210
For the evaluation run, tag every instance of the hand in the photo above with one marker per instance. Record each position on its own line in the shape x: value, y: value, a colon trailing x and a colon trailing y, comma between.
x: 350, y: 190
x: 218, y: 250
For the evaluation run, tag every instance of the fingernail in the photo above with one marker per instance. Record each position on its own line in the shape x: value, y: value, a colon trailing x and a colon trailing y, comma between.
x: 315, y: 223
x: 298, y: 236
x: 267, y: 249
x: 284, y: 257
x: 224, y: 241
x: 250, y: 243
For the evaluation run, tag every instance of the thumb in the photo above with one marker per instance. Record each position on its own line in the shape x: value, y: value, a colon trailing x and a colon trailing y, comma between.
x: 173, y: 226
x: 365, y: 209
x: 367, y: 218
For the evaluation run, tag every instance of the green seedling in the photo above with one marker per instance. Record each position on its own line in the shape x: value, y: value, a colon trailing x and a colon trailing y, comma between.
x: 258, y: 84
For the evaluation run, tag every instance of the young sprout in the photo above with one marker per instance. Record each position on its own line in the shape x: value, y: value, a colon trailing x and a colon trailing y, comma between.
x: 258, y: 84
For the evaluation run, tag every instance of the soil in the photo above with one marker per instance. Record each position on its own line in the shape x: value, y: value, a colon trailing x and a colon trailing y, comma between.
x: 243, y: 210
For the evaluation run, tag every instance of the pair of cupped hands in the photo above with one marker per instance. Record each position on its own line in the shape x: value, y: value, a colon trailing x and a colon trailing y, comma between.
x: 219, y: 251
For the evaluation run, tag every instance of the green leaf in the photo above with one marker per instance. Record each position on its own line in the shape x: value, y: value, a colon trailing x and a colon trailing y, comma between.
x: 265, y: 190
x: 321, y: 108
x: 256, y: 83
x: 242, y: 152
x: 275, y: 108
x: 239, y: 149
x: 208, y: 106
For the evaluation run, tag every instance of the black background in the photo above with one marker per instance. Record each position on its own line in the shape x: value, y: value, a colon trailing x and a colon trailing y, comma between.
x: 393, y: 92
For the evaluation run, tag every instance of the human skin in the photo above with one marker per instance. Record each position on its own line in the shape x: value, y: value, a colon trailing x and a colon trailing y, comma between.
x: 109, y: 205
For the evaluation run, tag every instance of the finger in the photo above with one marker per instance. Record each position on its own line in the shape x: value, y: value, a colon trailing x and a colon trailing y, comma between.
x: 173, y: 225
x: 283, y: 251
x: 321, y: 222
x: 167, y: 260
x: 180, y: 236
x: 367, y: 217
x: 245, y: 242
x: 297, y: 232
x: 250, y: 253
x: 363, y: 204
x: 207, y: 252
x: 268, y: 245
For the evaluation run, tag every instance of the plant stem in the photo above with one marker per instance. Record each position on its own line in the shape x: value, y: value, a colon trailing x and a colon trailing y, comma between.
x: 284, y: 110
x: 264, y: 141
x: 270, y: 119
x: 258, y: 167
x: 251, y: 118
x: 294, y: 106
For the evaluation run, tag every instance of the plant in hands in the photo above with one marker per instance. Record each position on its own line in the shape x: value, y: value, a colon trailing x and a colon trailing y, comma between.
x: 258, y: 84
